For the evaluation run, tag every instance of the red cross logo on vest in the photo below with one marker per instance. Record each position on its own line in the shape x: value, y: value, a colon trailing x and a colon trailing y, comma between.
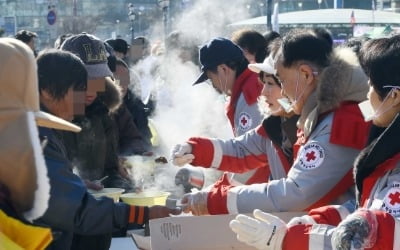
x: 391, y: 201
x: 394, y: 198
x: 244, y: 121
x: 310, y: 156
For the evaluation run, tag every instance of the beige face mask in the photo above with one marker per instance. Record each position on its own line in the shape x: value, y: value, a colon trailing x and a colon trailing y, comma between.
x: 285, y: 104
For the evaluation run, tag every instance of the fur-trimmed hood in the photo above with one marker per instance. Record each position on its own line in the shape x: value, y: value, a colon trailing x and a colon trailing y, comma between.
x: 112, y: 96
x: 343, y: 80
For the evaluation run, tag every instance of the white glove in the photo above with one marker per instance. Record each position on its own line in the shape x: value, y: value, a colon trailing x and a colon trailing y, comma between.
x: 305, y: 219
x: 357, y: 231
x: 265, y: 232
x: 181, y: 154
x: 195, y: 202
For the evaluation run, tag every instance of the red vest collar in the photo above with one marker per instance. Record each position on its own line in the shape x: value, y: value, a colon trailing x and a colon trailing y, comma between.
x: 247, y: 83
x: 369, y: 182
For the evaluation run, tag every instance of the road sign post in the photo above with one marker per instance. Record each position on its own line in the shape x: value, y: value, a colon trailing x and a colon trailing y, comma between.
x: 51, y: 17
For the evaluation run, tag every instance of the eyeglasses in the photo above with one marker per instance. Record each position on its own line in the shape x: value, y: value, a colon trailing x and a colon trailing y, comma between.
x: 282, y: 82
x: 391, y: 86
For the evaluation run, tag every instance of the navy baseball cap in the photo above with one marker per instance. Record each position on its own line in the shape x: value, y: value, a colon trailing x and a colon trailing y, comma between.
x: 217, y: 51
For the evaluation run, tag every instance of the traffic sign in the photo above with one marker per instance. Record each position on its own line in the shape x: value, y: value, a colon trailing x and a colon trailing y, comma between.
x: 51, y: 17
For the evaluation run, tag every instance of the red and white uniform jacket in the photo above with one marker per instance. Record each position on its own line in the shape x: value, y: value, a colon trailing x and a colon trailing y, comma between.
x: 378, y: 187
x: 244, y: 115
x: 321, y: 172
x: 258, y: 148
x: 242, y: 110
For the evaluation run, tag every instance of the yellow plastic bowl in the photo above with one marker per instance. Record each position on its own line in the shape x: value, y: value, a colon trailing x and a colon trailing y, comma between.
x: 147, y: 198
x: 113, y: 193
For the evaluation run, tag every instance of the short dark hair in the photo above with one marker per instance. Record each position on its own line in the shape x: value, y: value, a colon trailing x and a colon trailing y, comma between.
x: 253, y: 41
x: 270, y: 37
x: 305, y: 45
x: 25, y: 35
x: 324, y: 33
x: 119, y: 45
x: 58, y: 71
x: 238, y: 65
x: 380, y: 59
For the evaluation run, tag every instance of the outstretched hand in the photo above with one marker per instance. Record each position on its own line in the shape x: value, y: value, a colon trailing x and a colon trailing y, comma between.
x: 357, y: 231
x: 181, y: 154
x: 195, y: 202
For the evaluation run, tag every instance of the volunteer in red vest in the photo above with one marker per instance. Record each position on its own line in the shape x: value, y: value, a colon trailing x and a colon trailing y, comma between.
x: 375, y: 224
x: 225, y: 65
x: 324, y: 87
x: 271, y: 142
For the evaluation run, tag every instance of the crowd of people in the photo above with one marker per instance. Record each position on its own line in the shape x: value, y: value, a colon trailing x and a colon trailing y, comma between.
x: 313, y: 130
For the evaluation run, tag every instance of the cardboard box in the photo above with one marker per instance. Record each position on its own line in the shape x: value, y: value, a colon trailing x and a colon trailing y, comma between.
x: 199, y: 232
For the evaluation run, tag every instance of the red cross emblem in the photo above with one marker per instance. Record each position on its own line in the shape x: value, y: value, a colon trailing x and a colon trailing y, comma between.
x: 394, y: 198
x: 310, y: 156
x: 243, y: 121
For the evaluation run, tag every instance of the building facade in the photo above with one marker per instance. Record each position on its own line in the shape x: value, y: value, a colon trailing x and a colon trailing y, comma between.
x: 104, y: 18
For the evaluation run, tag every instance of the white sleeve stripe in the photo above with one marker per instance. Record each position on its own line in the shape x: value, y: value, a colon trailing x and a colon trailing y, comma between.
x: 231, y: 200
x: 343, y: 212
x: 396, y: 243
x: 317, y: 236
x: 217, y: 159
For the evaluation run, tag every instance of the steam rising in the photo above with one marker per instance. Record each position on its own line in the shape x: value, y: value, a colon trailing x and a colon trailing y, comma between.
x: 184, y: 110
x: 209, y: 19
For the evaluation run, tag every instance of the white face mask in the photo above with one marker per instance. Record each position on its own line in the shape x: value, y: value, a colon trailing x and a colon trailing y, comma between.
x: 285, y: 104
x: 368, y: 111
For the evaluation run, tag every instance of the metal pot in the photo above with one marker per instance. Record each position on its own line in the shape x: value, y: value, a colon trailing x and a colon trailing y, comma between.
x: 190, y: 177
